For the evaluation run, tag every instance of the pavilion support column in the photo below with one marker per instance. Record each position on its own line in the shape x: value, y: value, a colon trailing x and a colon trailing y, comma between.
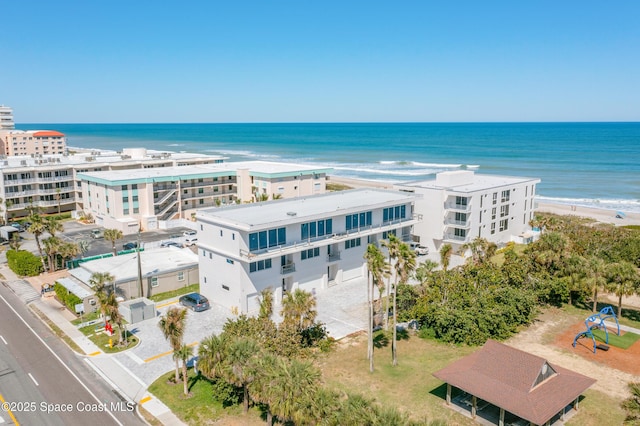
x: 563, y: 412
x: 575, y: 403
x: 448, y: 394
x: 501, y: 422
x: 474, y: 406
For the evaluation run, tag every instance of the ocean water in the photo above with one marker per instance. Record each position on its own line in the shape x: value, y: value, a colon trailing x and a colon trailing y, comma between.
x: 589, y: 164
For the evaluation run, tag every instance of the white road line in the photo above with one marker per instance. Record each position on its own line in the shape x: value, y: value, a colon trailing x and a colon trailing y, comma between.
x: 1, y: 420
x: 129, y: 372
x: 5, y: 342
x: 34, y: 380
x: 134, y: 357
x: 55, y: 355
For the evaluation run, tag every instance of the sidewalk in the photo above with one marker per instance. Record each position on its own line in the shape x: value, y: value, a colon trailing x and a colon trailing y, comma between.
x: 117, y: 376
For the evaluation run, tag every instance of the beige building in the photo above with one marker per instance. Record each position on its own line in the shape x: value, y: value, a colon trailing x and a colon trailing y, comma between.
x: 32, y: 142
x: 129, y: 199
x: 51, y: 182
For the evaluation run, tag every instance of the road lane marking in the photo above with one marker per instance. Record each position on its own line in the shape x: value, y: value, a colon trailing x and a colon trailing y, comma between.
x: 134, y: 357
x: 145, y: 399
x: 5, y: 342
x: 153, y: 358
x: 13, y: 418
x: 95, y: 353
x: 34, y: 380
x: 55, y: 355
x: 166, y: 304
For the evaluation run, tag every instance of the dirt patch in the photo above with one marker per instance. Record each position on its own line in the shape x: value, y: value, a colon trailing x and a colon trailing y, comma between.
x: 621, y: 359
x: 551, y: 336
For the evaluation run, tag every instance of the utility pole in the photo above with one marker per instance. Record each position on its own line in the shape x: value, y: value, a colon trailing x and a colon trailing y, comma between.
x: 139, y: 266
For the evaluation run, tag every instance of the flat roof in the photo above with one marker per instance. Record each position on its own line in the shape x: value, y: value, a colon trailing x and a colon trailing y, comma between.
x: 256, y: 168
x: 300, y: 209
x: 76, y: 288
x: 480, y: 182
x: 125, y: 267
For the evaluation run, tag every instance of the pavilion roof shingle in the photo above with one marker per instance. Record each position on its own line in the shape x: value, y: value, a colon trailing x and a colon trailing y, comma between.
x: 521, y: 383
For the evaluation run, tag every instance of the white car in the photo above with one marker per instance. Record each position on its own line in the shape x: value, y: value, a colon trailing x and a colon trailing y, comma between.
x: 420, y: 250
x: 189, y: 233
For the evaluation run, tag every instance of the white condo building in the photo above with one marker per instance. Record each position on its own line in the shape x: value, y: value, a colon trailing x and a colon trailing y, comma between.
x: 459, y: 206
x: 6, y: 118
x: 310, y: 243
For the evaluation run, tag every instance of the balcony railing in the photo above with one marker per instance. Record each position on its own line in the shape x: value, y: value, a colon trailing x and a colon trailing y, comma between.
x: 329, y: 239
x: 332, y: 257
x: 288, y: 268
x: 451, y: 237
x: 458, y: 207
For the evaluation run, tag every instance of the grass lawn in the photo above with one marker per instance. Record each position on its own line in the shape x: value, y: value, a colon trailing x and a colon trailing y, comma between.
x: 193, y: 288
x: 332, y: 186
x: 97, y: 335
x: 200, y: 408
x: 624, y: 342
x: 597, y: 409
x: 86, y: 317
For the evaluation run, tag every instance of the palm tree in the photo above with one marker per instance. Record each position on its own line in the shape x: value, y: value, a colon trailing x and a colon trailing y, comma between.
x: 445, y: 256
x: 172, y: 324
x: 481, y: 250
x: 240, y: 354
x: 632, y: 404
x: 575, y: 274
x: 113, y: 235
x: 211, y: 356
x: 266, y: 372
x: 112, y: 308
x: 424, y: 271
x: 15, y: 242
x: 405, y: 265
x: 53, y: 225
x: 393, y: 249
x: 299, y: 307
x: 295, y: 384
x: 83, y: 247
x: 183, y: 353
x: 37, y: 228
x: 58, y: 196
x: 266, y: 303
x: 99, y: 282
x: 596, y: 269
x: 378, y: 269
x: 51, y: 248
x: 623, y: 280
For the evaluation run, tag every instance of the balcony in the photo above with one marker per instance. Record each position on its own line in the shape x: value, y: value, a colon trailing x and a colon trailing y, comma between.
x: 332, y: 257
x: 454, y: 238
x: 288, y: 268
x: 337, y: 238
x: 458, y: 207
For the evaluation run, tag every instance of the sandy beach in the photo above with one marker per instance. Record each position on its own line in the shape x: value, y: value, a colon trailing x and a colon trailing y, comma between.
x: 601, y: 215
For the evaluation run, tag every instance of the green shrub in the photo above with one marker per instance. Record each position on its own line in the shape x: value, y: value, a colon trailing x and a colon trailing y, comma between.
x: 65, y: 296
x: 24, y: 263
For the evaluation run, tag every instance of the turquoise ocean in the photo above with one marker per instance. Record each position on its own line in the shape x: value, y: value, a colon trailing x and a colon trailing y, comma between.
x: 588, y: 164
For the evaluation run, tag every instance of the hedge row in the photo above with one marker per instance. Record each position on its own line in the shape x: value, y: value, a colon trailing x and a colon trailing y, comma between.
x: 24, y: 263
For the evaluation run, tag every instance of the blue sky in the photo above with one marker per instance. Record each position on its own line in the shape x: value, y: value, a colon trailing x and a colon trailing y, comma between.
x: 325, y: 61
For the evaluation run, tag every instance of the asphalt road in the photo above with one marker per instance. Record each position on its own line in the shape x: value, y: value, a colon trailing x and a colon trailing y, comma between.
x: 42, y: 382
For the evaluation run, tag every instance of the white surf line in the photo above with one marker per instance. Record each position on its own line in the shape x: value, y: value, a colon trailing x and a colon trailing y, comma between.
x: 5, y: 342
x: 34, y: 380
x: 55, y: 355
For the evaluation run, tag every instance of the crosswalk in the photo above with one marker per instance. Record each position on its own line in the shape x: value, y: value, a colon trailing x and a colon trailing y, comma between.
x: 23, y: 290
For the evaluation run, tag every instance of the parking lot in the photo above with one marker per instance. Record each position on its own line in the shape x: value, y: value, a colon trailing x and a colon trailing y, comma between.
x: 76, y: 232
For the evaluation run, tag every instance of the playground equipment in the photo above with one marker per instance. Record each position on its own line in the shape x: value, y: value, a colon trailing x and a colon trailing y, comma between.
x: 596, y: 321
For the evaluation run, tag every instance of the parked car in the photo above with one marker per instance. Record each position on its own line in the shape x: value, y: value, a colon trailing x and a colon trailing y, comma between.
x: 189, y: 233
x: 195, y: 301
x: 97, y: 233
x: 18, y: 226
x: 189, y: 241
x: 130, y: 245
x: 420, y: 250
x: 169, y: 244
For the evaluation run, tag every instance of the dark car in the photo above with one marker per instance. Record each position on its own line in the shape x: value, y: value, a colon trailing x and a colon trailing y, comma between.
x: 130, y: 246
x: 195, y: 301
x: 18, y: 226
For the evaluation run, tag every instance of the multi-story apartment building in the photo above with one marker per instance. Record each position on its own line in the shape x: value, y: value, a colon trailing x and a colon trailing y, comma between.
x: 32, y: 142
x: 51, y: 181
x: 308, y: 242
x: 6, y: 118
x: 128, y: 199
x: 459, y: 206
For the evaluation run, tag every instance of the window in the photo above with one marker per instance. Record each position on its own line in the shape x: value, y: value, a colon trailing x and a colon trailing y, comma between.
x: 495, y: 198
x: 225, y: 287
x: 504, y: 210
x: 315, y: 229
x: 504, y: 225
x: 308, y: 254
x: 461, y: 233
x: 263, y: 239
x: 352, y: 243
x: 394, y: 213
x: 181, y: 276
x: 260, y: 265
x: 230, y: 261
x: 154, y: 281
x: 461, y: 217
x: 200, y: 190
x: 461, y: 201
x: 493, y: 213
x: 505, y: 196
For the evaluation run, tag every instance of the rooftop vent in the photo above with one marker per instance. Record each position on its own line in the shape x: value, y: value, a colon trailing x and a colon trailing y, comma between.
x: 292, y: 214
